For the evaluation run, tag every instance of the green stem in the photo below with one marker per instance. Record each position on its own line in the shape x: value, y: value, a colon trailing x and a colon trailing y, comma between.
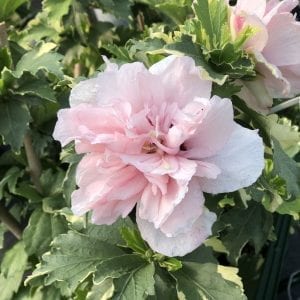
x: 285, y: 105
x: 34, y: 163
x: 10, y: 222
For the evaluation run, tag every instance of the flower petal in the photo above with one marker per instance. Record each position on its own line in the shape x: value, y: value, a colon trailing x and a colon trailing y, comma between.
x: 103, y: 182
x: 213, y: 132
x: 292, y: 74
x: 275, y: 7
x: 241, y: 162
x: 86, y: 123
x: 84, y: 92
x: 253, y: 7
x: 181, y: 244
x: 284, y: 40
x: 186, y: 212
x: 108, y: 212
x: 157, y: 205
x: 276, y: 84
x: 181, y: 79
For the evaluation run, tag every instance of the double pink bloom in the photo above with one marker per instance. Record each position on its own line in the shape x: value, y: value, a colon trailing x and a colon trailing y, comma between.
x: 275, y: 46
x: 156, y: 139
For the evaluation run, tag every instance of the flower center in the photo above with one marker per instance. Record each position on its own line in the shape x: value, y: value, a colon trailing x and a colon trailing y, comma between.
x: 149, y: 148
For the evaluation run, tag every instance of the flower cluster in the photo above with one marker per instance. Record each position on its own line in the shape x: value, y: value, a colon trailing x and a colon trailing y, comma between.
x: 275, y: 46
x: 157, y: 140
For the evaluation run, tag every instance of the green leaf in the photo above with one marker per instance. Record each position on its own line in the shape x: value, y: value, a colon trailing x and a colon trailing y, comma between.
x: 202, y: 254
x: 287, y: 135
x: 14, y: 121
x: 117, y: 267
x: 176, y: 10
x: 109, y: 233
x: 291, y: 208
x: 134, y: 240
x: 188, y: 47
x: 10, y: 180
x: 101, y: 291
x: 136, y: 285
x: 41, y: 58
x: 253, y: 224
x: 13, y: 266
x: 41, y: 230
x: 8, y: 7
x: 46, y: 24
x: 165, y: 286
x: 69, y: 183
x: 73, y: 258
x: 202, y: 281
x: 227, y: 90
x: 171, y: 264
x: 54, y: 10
x: 34, y: 86
x: 52, y: 181
x: 211, y: 23
x: 287, y: 169
x: 5, y: 57
x: 119, y: 8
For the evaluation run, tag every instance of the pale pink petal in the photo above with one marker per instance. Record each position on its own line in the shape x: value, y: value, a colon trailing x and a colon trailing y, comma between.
x: 241, y: 162
x: 186, y: 121
x: 275, y: 7
x: 253, y: 7
x: 103, y: 181
x: 213, y: 132
x: 208, y: 170
x: 181, y: 79
x: 178, y: 167
x: 284, y: 40
x: 156, y: 206
x: 138, y: 86
x: 84, y: 92
x: 107, y: 212
x: 276, y: 84
x: 187, y: 211
x: 292, y: 74
x: 181, y: 244
x: 87, y: 124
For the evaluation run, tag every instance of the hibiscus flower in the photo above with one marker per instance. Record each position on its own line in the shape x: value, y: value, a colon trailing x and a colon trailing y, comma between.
x: 155, y: 139
x: 275, y: 46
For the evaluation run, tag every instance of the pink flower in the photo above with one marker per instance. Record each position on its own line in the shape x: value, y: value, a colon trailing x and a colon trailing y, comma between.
x: 275, y: 45
x: 153, y: 138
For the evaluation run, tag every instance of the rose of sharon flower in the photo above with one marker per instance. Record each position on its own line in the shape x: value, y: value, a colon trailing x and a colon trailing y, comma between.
x: 154, y: 138
x: 275, y: 45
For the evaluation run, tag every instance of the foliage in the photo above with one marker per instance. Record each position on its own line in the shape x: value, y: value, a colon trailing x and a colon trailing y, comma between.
x: 43, y: 53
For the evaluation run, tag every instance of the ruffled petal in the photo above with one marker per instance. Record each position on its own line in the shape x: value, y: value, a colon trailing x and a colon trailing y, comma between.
x: 108, y: 212
x: 181, y: 244
x: 87, y: 124
x: 241, y: 162
x: 181, y: 79
x: 104, y: 182
x: 213, y: 132
x: 186, y: 212
x: 156, y: 204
